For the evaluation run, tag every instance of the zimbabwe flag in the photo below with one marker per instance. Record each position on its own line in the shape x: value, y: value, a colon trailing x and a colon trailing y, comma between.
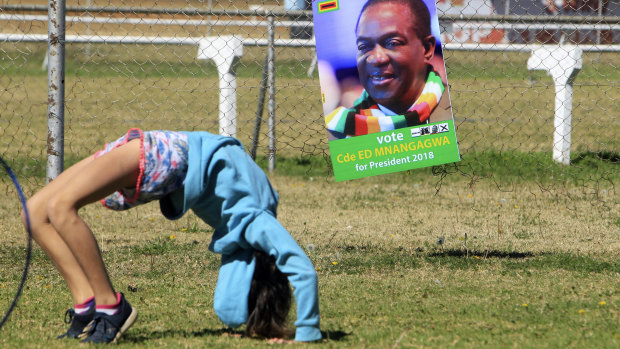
x: 329, y: 5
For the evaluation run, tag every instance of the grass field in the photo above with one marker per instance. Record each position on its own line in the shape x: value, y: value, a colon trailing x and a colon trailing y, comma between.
x: 517, y: 268
x: 530, y: 249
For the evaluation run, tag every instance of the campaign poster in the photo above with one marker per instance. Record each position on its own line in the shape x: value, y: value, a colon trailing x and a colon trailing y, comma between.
x: 383, y: 86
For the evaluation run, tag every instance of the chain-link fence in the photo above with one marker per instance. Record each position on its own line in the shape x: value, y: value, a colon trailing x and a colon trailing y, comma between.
x: 141, y: 64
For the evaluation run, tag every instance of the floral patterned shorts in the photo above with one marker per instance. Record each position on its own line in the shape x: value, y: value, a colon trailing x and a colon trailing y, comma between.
x: 163, y: 167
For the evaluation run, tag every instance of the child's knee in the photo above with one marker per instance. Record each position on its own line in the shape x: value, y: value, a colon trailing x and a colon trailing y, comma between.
x: 58, y: 209
x: 36, y: 216
x: 36, y: 212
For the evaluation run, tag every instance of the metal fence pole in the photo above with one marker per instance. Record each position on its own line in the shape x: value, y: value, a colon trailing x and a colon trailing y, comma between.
x: 271, y: 107
x: 88, y: 32
x: 600, y: 13
x: 259, y: 109
x: 55, y: 89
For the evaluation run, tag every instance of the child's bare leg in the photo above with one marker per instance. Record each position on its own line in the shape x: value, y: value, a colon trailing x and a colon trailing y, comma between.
x: 50, y: 241
x: 85, y: 182
x: 115, y: 170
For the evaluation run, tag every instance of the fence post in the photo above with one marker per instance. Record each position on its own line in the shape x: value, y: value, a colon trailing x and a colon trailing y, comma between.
x: 55, y: 89
x: 271, y: 107
x: 260, y: 107
x: 225, y: 51
x: 563, y: 63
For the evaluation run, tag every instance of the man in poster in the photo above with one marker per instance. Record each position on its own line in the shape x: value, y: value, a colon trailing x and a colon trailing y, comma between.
x: 395, y: 51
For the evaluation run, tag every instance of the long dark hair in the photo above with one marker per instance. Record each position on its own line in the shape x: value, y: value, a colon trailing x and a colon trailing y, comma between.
x: 269, y: 301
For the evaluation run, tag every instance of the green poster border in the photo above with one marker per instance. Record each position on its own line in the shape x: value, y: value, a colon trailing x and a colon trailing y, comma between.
x: 393, y: 151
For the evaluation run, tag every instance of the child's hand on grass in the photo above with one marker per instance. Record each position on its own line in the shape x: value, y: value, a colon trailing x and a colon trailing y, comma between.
x: 280, y: 341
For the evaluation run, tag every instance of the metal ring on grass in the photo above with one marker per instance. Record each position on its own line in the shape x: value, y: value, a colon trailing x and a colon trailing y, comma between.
x: 22, y: 200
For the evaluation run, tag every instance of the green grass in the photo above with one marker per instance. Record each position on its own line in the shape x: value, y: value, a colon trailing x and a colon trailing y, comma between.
x: 380, y: 284
x: 370, y: 296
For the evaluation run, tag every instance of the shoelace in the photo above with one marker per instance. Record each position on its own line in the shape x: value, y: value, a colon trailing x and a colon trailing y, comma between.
x: 71, y: 314
x: 94, y: 326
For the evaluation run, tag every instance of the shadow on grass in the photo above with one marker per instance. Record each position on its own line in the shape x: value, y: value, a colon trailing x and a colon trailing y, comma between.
x: 334, y: 335
x: 605, y: 156
x: 486, y: 254
x: 461, y: 259
x: 525, y: 261
x: 135, y: 337
x: 139, y: 337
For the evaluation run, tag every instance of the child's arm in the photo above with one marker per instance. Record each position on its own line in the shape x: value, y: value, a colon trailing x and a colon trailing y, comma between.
x: 267, y: 234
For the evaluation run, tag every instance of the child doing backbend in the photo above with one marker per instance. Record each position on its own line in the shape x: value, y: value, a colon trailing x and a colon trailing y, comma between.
x: 214, y: 177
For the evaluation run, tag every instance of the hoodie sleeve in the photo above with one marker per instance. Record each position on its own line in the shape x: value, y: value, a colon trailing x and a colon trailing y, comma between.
x: 267, y: 234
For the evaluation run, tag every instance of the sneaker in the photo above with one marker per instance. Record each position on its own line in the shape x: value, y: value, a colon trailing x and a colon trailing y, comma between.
x: 109, y: 328
x: 78, y: 322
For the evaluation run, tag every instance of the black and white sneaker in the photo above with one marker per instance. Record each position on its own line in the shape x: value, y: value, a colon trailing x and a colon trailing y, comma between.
x: 109, y: 328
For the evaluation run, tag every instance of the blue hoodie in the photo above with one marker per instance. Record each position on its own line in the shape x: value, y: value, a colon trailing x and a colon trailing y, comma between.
x: 226, y: 189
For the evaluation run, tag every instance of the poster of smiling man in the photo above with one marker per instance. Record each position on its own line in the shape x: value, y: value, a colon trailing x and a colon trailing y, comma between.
x: 383, y: 85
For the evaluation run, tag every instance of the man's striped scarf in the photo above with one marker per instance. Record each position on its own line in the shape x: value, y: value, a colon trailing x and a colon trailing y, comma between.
x: 365, y: 117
